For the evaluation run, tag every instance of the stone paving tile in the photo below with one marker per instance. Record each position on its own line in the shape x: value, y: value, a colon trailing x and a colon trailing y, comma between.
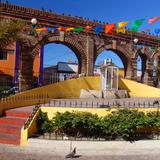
x: 56, y: 150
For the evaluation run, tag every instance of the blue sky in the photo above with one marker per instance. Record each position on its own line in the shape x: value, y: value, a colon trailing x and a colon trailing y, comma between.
x: 103, y: 10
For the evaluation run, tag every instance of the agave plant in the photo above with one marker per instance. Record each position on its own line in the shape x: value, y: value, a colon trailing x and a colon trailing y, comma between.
x: 10, y: 31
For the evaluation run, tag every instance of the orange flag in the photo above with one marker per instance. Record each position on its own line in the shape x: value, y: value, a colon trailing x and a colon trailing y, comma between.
x: 109, y: 28
x: 152, y: 20
x: 44, y: 29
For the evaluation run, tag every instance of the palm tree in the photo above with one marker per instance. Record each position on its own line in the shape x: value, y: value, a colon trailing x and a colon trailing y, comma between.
x: 10, y: 31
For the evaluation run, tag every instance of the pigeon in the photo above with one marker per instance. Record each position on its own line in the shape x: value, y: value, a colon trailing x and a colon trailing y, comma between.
x: 72, y: 154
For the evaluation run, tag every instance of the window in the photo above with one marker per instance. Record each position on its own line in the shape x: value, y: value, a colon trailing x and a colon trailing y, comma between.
x: 3, y: 55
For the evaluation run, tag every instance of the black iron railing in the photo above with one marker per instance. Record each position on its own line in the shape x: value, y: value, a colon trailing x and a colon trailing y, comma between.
x: 30, y: 118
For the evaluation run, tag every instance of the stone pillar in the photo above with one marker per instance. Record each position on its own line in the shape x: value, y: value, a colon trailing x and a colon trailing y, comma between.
x: 90, y: 50
x: 83, y: 69
x: 128, y: 72
x: 16, y: 68
x: 26, y: 80
x: 148, y: 75
x: 134, y: 69
x: 40, y: 82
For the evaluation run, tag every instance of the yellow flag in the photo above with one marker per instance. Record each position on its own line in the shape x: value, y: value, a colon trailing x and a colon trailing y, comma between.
x: 122, y: 24
x: 120, y: 28
x: 70, y: 29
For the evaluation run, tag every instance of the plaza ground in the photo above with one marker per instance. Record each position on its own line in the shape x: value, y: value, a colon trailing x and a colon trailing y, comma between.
x: 39, y: 149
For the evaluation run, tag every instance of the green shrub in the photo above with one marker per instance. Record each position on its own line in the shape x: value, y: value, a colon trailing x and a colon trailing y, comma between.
x: 44, y: 124
x: 83, y: 123
x: 153, y: 119
x: 124, y: 123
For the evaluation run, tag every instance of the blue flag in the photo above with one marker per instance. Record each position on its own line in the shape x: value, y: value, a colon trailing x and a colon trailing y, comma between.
x: 157, y: 31
x: 98, y: 29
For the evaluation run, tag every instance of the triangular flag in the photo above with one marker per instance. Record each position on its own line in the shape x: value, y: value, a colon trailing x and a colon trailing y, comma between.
x: 70, y: 29
x: 44, y: 29
x: 98, y: 29
x: 78, y: 30
x: 109, y: 28
x: 122, y: 24
x: 120, y: 28
x: 61, y: 28
x: 154, y: 19
x: 88, y: 28
x: 157, y: 31
x: 136, y: 24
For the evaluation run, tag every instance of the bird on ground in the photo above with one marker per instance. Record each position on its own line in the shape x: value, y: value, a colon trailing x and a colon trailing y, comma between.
x: 72, y: 154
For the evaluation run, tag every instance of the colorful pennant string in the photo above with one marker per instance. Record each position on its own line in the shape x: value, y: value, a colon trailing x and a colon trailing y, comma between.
x: 108, y: 28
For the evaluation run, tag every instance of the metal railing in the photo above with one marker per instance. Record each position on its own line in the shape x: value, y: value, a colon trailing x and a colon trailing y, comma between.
x: 75, y: 103
x: 41, y: 98
x: 30, y: 118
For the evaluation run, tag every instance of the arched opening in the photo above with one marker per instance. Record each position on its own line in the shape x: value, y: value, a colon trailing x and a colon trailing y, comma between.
x: 116, y: 59
x: 60, y: 62
x: 141, y: 66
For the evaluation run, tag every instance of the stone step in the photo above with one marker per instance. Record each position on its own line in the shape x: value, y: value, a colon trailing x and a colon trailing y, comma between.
x: 9, y: 139
x: 13, y: 121
x: 10, y: 129
x: 21, y: 114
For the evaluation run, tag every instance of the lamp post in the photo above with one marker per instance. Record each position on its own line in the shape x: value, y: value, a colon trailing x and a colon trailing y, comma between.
x: 34, y: 23
x: 134, y: 44
x: 135, y: 41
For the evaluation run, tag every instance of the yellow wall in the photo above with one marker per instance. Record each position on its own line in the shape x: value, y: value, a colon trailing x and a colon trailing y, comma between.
x: 99, y: 111
x: 67, y: 89
x: 71, y: 89
x: 138, y: 89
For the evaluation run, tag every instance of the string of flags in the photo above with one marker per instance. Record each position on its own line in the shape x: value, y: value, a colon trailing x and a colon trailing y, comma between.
x: 108, y: 28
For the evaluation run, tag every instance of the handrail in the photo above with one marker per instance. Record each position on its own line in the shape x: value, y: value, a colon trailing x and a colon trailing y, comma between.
x: 30, y: 118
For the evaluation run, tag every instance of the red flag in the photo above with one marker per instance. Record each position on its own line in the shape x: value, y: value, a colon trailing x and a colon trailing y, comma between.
x: 109, y: 28
x: 61, y: 29
x: 152, y: 20
x: 88, y: 28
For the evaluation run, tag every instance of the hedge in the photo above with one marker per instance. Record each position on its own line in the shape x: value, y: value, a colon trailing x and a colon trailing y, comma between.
x: 123, y: 123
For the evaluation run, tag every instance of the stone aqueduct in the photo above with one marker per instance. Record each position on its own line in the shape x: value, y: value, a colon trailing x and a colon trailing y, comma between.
x: 86, y: 45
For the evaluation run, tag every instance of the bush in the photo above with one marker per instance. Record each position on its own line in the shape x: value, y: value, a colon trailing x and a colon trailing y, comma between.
x: 153, y: 119
x: 77, y: 123
x: 124, y: 123
x: 44, y: 124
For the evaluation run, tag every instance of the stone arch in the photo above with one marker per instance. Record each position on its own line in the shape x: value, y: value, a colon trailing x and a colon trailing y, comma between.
x: 143, y: 51
x: 73, y: 45
x: 144, y: 60
x: 123, y: 55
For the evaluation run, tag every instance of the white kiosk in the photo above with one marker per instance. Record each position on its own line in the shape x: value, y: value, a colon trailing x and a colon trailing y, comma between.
x: 109, y: 75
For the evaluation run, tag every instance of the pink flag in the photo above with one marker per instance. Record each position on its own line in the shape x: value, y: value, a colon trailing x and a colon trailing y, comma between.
x: 152, y: 20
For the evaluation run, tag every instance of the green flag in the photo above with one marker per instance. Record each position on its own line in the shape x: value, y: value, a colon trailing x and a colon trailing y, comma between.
x: 78, y: 30
x: 136, y: 24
